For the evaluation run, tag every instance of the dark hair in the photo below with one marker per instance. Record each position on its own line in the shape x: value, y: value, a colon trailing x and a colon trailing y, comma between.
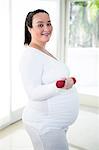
x: 28, y: 23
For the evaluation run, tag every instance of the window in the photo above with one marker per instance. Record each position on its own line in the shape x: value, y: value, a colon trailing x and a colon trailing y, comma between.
x: 84, y: 16
x: 83, y: 46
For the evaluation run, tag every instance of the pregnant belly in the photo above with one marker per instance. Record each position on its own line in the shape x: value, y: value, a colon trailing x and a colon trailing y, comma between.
x: 64, y: 107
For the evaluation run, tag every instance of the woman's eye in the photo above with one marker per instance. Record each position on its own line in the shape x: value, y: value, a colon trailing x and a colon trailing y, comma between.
x: 49, y: 24
x: 40, y: 25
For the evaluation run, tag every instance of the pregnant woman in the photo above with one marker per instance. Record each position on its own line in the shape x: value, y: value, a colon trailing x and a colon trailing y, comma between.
x: 53, y: 103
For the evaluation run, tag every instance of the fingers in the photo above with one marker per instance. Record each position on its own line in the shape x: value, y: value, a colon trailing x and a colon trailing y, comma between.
x: 65, y: 83
x: 68, y: 83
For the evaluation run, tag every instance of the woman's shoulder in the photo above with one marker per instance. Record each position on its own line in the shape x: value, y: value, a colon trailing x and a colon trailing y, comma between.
x: 30, y: 59
x: 30, y: 50
x: 31, y: 53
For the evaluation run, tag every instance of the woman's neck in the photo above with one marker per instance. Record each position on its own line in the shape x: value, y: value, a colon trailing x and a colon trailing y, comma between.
x: 41, y: 48
x: 38, y: 46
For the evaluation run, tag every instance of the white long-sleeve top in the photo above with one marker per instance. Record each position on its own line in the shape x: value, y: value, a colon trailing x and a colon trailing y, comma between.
x: 48, y: 106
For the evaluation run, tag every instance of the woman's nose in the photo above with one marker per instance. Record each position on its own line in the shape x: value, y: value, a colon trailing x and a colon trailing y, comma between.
x: 46, y: 28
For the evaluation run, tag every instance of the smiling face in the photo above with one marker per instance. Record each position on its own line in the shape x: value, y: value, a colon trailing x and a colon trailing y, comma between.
x: 41, y: 28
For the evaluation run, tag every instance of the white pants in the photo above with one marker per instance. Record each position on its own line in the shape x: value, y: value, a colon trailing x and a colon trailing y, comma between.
x: 53, y: 140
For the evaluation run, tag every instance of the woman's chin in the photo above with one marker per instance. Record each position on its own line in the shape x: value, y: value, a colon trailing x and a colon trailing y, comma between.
x: 46, y: 40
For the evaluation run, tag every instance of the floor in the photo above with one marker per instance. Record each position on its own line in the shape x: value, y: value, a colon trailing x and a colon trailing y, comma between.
x: 82, y: 135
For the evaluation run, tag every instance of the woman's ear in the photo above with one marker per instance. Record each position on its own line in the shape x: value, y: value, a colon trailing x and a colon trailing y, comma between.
x: 29, y: 29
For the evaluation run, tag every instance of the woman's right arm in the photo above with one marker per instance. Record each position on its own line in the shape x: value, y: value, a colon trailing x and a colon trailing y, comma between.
x: 31, y: 69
